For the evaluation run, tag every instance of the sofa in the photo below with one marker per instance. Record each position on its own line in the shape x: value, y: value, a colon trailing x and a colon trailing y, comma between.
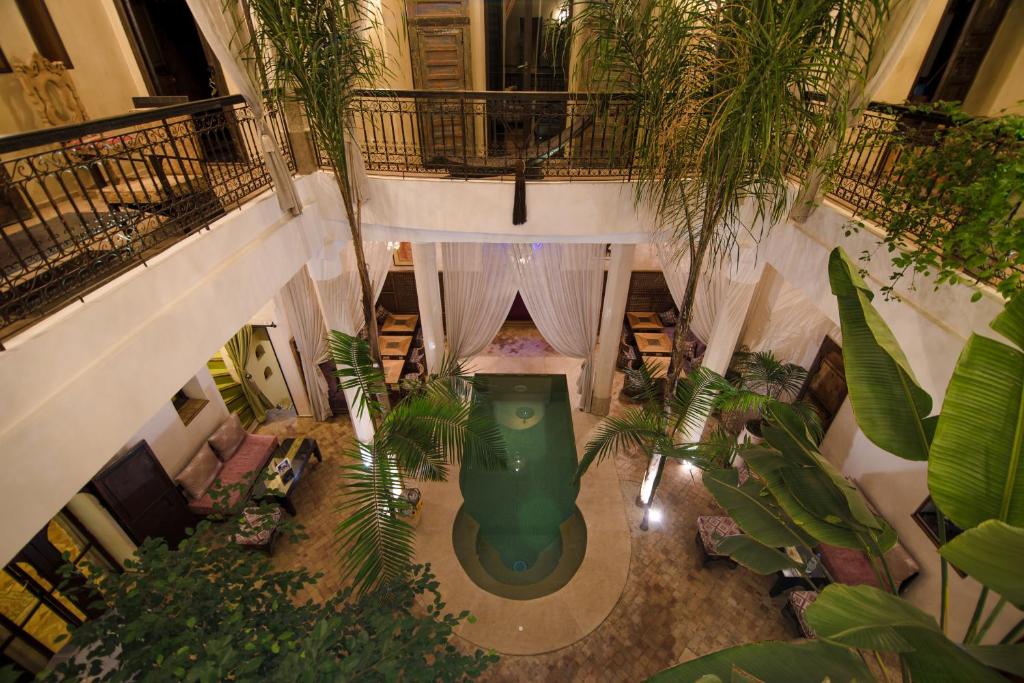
x: 230, y: 457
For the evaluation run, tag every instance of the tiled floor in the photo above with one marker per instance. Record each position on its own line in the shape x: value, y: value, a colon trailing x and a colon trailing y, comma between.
x: 671, y: 610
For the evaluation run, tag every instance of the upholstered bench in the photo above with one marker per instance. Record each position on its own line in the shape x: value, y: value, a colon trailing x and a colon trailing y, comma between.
x: 710, y: 530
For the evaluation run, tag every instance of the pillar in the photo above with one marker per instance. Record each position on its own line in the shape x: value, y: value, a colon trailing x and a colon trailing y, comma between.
x: 613, y: 310
x: 428, y: 293
x: 744, y: 274
x: 325, y: 266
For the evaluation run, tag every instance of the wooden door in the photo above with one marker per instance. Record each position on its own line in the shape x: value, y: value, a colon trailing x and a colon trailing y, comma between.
x: 440, y: 48
x: 825, y: 388
x: 143, y: 498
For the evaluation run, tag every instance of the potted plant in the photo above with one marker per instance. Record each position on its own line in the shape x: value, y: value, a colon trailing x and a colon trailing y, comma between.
x: 761, y: 373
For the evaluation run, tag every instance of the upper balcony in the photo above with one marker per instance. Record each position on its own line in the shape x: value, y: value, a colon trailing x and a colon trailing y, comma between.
x: 82, y: 204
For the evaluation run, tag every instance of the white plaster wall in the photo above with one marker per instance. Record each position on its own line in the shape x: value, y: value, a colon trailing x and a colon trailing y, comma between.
x: 437, y: 210
x: 173, y: 442
x: 78, y: 386
x: 932, y: 327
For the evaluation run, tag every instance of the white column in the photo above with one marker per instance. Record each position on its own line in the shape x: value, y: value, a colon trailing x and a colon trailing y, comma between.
x: 740, y: 286
x: 428, y: 292
x: 328, y: 265
x: 613, y: 309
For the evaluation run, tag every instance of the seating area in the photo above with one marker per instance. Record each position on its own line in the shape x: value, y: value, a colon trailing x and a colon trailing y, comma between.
x: 830, y: 564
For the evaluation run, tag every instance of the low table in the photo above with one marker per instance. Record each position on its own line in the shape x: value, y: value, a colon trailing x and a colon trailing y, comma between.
x: 402, y: 324
x: 788, y: 579
x: 393, y: 370
x: 298, y: 451
x: 653, y: 342
x: 659, y: 364
x: 643, y: 321
x: 395, y: 345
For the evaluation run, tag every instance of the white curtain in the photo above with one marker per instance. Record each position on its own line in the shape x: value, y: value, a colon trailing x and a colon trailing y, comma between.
x: 782, y: 320
x: 561, y: 287
x: 303, y: 312
x: 337, y: 279
x: 225, y: 27
x: 480, y: 285
x: 710, y: 294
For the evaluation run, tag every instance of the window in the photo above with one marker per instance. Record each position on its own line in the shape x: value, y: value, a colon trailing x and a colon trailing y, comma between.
x: 36, y: 605
x: 189, y: 401
x: 44, y: 32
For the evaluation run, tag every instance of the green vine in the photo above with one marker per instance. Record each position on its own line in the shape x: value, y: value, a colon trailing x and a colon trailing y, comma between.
x: 953, y: 210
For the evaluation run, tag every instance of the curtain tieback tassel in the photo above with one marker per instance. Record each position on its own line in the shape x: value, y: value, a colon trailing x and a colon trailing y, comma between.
x: 519, y: 200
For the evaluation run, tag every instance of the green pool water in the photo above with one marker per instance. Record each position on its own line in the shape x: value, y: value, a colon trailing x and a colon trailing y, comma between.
x: 519, y: 533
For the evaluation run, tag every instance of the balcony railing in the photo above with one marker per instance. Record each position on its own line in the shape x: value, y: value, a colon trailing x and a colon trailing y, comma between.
x: 457, y: 134
x: 81, y: 204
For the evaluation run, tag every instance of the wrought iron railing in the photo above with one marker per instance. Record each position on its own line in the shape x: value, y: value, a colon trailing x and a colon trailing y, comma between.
x: 489, y: 134
x: 81, y: 204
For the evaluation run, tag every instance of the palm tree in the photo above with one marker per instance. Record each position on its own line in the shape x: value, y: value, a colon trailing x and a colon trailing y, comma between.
x: 320, y: 52
x: 762, y: 374
x: 726, y: 97
x: 660, y: 426
x: 420, y: 437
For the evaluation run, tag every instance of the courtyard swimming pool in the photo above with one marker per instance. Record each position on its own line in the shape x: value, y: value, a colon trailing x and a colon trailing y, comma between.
x: 519, y: 533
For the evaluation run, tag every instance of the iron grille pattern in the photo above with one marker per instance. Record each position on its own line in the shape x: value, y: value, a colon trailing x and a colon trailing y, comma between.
x: 81, y: 204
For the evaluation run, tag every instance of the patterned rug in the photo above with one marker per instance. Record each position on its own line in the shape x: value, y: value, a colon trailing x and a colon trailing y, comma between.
x: 518, y: 339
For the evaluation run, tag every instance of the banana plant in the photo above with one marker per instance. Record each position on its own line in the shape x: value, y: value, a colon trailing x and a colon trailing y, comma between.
x: 975, y: 475
x: 422, y: 435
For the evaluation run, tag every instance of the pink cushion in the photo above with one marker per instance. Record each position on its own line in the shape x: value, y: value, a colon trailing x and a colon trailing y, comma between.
x: 228, y: 437
x: 244, y: 465
x: 848, y: 566
x: 200, y: 472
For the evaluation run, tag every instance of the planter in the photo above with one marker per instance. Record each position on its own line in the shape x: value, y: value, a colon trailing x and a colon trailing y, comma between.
x: 751, y: 433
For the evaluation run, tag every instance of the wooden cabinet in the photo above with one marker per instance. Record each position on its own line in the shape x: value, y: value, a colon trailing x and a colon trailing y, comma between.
x: 143, y: 498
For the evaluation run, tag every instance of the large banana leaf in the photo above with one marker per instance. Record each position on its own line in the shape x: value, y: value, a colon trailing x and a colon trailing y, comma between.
x: 992, y: 553
x: 866, y: 618
x: 754, y: 510
x: 976, y: 470
x: 755, y: 556
x: 771, y: 469
x: 1008, y: 657
x: 890, y: 407
x: 810, y: 661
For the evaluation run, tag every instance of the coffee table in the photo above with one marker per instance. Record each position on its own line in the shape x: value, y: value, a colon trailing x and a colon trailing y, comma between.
x: 644, y: 321
x: 273, y: 488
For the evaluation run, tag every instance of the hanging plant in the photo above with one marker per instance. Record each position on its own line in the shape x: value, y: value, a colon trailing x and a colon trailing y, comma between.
x: 953, y: 210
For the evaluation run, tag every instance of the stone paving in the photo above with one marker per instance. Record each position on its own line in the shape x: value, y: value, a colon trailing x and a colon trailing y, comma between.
x: 671, y: 610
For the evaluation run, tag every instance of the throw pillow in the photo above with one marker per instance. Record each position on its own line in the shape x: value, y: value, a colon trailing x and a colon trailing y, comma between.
x: 228, y: 437
x: 200, y: 473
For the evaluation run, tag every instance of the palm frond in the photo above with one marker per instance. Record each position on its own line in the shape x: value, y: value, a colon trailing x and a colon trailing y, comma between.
x: 717, y: 451
x: 694, y: 398
x: 376, y: 545
x: 642, y: 383
x: 642, y: 428
x: 424, y: 434
x: 761, y: 371
x: 356, y: 370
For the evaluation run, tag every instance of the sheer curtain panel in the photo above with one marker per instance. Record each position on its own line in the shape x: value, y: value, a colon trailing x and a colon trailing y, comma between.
x: 561, y: 287
x: 226, y: 28
x: 337, y: 280
x: 303, y: 312
x: 479, y: 288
